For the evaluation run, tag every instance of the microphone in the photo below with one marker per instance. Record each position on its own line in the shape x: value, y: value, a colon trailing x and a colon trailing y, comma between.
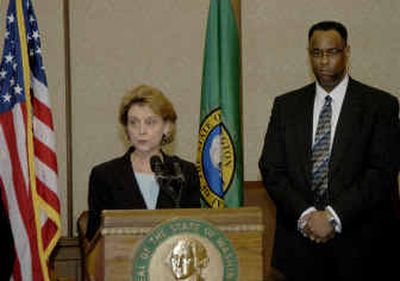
x: 178, y: 175
x: 156, y: 165
x: 164, y: 179
x: 179, y: 178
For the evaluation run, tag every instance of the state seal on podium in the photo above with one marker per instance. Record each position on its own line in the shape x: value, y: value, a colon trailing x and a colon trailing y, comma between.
x: 185, y: 249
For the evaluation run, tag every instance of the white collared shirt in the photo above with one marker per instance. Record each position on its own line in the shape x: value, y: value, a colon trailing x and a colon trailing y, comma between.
x: 337, y: 95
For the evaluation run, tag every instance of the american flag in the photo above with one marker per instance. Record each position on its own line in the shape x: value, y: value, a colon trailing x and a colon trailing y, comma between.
x: 28, y: 164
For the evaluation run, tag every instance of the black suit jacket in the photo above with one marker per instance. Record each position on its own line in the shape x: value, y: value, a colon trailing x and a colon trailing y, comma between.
x: 363, y: 170
x: 113, y: 185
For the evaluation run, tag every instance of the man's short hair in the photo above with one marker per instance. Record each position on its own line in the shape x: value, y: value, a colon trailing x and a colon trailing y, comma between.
x: 329, y: 25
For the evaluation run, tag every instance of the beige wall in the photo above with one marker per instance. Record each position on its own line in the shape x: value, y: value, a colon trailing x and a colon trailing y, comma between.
x: 117, y: 44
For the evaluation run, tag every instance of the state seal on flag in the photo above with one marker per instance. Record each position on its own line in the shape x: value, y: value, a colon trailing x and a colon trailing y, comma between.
x: 215, y: 160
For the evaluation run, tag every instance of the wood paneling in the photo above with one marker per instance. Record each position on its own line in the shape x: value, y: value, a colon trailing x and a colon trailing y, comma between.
x: 256, y: 195
x: 66, y: 260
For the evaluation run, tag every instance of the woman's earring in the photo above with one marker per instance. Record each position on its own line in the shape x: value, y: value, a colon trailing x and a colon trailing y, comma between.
x: 164, y: 139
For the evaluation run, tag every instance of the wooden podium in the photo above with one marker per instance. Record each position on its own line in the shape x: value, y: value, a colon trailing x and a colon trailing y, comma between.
x: 127, y: 236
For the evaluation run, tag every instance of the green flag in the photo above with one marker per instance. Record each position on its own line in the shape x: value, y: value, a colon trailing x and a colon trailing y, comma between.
x: 219, y: 155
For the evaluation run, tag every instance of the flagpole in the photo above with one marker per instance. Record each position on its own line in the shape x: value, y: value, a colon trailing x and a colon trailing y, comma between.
x: 237, y: 11
x: 68, y: 117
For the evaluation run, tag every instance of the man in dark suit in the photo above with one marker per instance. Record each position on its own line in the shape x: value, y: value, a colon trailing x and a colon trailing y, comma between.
x: 330, y: 163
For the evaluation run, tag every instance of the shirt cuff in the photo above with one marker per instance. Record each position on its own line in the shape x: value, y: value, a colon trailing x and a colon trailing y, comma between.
x: 337, y: 223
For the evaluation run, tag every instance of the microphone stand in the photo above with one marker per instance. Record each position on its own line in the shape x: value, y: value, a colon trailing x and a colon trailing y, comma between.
x: 167, y: 178
x: 180, y: 180
x: 178, y: 198
x: 165, y: 183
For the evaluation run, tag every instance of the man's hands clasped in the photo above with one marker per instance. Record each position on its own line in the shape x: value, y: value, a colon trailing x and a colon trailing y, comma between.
x: 317, y: 226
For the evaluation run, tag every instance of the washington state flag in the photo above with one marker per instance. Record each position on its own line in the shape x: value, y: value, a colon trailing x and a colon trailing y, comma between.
x: 219, y: 154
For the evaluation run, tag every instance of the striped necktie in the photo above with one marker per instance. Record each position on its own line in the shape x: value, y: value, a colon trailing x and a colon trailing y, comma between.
x: 321, y: 150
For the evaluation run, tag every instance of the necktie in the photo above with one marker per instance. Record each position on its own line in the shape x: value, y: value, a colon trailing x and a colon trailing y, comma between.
x: 321, y: 152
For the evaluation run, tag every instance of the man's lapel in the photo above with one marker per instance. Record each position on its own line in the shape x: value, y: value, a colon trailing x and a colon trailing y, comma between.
x: 348, y: 123
x: 129, y: 185
x: 304, y: 130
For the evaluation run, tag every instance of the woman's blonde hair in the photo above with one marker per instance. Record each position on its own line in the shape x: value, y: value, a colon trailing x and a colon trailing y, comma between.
x: 155, y: 100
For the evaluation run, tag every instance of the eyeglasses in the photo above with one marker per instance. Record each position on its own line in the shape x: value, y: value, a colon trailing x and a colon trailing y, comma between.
x: 329, y: 53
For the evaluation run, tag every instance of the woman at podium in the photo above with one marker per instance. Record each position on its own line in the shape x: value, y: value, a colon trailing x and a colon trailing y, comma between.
x: 145, y: 177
